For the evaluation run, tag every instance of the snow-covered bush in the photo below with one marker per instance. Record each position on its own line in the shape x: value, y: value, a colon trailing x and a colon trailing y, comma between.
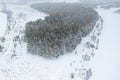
x: 61, y: 31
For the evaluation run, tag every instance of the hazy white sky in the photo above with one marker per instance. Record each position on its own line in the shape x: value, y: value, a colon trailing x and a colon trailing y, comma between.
x: 55, y: 0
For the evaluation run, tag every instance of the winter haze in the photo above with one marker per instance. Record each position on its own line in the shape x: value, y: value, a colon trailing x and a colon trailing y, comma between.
x: 59, y: 40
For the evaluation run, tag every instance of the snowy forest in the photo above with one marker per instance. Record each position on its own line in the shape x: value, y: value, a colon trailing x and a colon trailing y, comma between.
x: 61, y: 31
x: 59, y: 39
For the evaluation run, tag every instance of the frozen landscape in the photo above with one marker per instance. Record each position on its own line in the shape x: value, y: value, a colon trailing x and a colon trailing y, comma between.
x: 106, y: 65
x: 100, y: 62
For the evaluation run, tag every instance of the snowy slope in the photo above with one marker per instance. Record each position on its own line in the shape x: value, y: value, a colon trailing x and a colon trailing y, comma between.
x: 17, y: 64
x: 3, y: 23
x: 106, y: 63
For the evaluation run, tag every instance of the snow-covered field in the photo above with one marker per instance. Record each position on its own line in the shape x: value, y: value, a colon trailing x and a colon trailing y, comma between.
x: 84, y: 62
x: 17, y: 64
x: 106, y: 63
x: 3, y: 23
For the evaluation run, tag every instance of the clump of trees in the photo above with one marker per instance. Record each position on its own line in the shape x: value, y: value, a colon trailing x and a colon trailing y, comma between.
x: 61, y: 31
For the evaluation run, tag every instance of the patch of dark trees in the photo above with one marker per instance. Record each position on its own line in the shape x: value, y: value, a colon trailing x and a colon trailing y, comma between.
x: 61, y: 31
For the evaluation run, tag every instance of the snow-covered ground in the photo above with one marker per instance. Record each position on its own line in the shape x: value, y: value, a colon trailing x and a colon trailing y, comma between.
x: 106, y: 63
x: 3, y: 23
x: 17, y: 64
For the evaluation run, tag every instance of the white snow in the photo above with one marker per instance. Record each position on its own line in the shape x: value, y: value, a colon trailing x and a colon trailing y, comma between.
x: 106, y: 63
x: 17, y: 64
x: 3, y: 23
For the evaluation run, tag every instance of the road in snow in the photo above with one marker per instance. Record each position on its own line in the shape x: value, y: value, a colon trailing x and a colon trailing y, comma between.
x: 3, y: 23
x: 106, y: 63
